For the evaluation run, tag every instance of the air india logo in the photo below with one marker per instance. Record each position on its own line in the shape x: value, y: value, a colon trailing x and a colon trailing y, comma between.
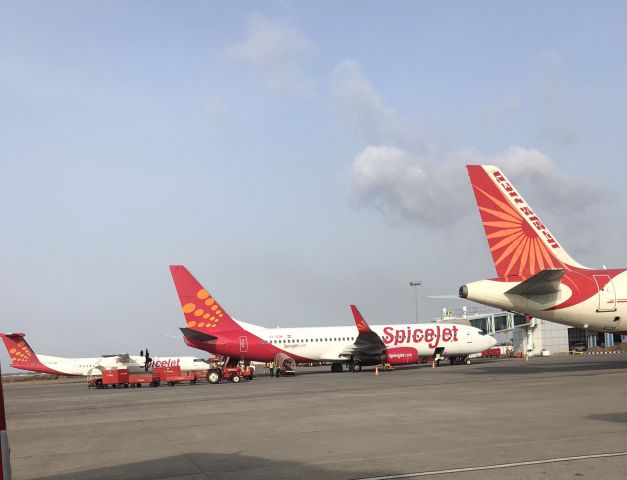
x: 203, y: 312
x: 514, y: 234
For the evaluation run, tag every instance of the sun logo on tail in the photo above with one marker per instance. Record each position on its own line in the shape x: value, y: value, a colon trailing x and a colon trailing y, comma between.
x: 515, y: 246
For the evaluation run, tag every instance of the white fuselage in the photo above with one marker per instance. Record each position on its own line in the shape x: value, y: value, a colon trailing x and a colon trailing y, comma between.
x: 95, y: 366
x: 605, y: 310
x: 328, y: 343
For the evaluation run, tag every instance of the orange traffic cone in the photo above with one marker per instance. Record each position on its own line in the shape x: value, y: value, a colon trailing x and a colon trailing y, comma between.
x: 376, y: 371
x: 433, y: 364
x: 526, y: 357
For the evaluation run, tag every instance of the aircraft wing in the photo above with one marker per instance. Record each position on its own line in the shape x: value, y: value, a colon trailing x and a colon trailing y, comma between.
x: 542, y: 283
x: 367, y: 342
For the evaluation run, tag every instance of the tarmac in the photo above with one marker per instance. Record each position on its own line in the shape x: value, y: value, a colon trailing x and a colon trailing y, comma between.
x: 549, y: 418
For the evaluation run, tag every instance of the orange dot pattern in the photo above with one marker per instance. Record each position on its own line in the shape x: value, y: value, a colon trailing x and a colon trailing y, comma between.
x: 21, y: 353
x: 203, y: 312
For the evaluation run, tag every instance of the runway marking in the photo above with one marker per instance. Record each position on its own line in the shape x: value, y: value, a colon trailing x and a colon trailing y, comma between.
x: 494, y: 467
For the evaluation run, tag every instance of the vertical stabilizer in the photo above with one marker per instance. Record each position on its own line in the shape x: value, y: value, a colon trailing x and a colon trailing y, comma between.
x: 202, y: 312
x: 22, y: 355
x: 519, y: 241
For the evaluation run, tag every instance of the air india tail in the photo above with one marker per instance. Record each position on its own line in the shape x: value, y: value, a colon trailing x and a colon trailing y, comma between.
x: 22, y: 355
x: 202, y: 312
x: 520, y: 243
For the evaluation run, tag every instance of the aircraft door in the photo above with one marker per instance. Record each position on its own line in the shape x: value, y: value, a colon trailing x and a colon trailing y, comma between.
x: 468, y: 336
x: 243, y: 344
x: 607, y: 293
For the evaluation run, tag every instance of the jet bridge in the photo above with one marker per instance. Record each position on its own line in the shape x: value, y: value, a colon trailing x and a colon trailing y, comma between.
x: 493, y: 322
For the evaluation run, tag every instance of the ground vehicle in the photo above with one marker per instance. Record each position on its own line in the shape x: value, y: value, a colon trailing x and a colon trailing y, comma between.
x: 227, y: 370
x: 173, y: 375
x: 579, y: 347
x: 121, y: 378
x: 284, y: 365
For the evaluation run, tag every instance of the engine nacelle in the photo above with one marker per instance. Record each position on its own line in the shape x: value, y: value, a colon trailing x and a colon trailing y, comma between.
x: 401, y: 356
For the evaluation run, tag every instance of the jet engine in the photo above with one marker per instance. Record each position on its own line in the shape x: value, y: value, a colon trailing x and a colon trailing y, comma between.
x: 401, y: 356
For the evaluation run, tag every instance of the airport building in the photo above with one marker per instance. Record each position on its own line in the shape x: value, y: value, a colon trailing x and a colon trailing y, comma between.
x: 528, y: 335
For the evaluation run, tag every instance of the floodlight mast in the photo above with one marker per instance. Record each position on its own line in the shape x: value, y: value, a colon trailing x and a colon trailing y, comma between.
x: 415, y: 285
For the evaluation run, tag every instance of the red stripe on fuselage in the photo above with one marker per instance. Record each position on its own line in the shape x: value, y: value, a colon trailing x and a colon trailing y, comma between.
x: 228, y: 344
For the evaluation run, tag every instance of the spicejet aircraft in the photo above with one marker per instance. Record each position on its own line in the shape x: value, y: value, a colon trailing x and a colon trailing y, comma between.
x: 210, y: 328
x: 24, y: 358
x: 535, y: 274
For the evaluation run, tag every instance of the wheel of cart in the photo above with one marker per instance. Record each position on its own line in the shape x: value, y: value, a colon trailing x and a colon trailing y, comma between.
x: 214, y: 376
x: 235, y: 378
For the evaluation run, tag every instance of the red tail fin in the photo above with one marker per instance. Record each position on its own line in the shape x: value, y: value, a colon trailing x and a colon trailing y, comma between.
x: 362, y: 326
x: 22, y: 356
x: 202, y: 311
x: 519, y: 242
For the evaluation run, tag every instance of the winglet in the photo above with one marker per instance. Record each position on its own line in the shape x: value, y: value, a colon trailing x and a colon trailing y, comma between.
x: 361, y: 324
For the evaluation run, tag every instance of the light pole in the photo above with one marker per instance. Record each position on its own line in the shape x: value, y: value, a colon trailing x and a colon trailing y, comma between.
x: 415, y: 286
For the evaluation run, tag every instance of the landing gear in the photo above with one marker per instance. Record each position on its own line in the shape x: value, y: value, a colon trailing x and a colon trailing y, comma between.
x: 460, y: 361
x: 336, y: 367
x: 356, y: 367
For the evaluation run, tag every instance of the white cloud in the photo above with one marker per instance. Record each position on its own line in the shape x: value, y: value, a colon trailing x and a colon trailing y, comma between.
x: 273, y: 49
x: 406, y: 181
x: 404, y: 188
x: 367, y: 115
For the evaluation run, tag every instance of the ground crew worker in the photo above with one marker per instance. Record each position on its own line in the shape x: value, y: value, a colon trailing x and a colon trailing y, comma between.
x: 271, y: 366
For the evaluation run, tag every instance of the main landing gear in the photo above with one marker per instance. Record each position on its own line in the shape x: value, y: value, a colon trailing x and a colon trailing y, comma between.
x: 354, y: 366
x: 337, y: 367
x: 460, y: 361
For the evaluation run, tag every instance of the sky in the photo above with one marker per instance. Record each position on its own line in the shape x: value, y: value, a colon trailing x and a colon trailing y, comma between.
x: 297, y: 157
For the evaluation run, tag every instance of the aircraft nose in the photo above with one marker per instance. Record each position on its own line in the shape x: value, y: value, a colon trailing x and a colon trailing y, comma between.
x: 492, y: 341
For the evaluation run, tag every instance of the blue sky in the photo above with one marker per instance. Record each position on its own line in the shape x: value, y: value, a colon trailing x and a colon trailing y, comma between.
x: 296, y: 156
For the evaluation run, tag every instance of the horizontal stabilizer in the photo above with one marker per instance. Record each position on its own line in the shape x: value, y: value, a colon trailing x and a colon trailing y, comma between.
x: 197, y: 336
x: 542, y: 283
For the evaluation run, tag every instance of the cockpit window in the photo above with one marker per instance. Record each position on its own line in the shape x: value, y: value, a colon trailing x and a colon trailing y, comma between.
x: 481, y: 332
x: 200, y: 360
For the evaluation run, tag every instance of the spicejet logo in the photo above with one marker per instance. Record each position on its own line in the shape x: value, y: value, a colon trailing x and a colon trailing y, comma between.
x: 170, y: 362
x: 431, y: 336
x: 524, y: 208
x: 398, y: 355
